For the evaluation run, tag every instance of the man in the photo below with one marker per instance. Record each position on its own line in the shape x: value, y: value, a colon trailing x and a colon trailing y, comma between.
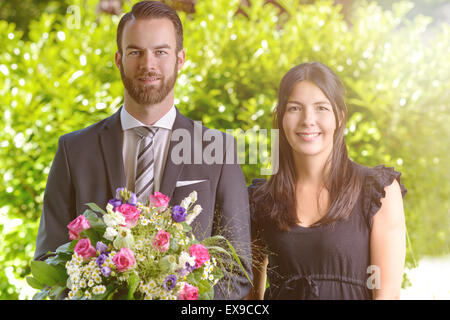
x: 135, y: 148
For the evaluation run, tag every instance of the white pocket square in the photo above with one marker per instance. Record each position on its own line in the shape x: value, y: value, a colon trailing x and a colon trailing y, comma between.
x: 187, y: 182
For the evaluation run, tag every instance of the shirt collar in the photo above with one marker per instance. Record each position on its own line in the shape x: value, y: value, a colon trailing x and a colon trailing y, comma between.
x: 130, y: 122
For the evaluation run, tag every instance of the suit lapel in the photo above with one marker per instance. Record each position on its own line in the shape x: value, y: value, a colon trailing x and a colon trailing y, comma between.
x: 172, y: 171
x: 111, y: 142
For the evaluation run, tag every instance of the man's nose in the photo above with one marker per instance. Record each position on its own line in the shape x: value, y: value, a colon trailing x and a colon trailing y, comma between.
x: 148, y: 60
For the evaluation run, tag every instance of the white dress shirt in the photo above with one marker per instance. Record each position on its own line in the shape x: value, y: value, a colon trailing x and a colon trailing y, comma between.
x: 161, y: 143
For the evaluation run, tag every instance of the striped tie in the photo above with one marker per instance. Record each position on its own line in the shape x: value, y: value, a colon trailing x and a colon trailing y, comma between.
x: 143, y: 185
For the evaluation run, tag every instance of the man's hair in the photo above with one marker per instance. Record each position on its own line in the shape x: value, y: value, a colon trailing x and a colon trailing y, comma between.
x: 151, y: 10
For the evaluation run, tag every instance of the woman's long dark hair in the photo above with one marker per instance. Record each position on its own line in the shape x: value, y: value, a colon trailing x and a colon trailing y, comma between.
x: 276, y: 197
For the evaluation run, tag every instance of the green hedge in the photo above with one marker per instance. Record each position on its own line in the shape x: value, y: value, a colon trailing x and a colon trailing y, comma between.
x: 64, y: 79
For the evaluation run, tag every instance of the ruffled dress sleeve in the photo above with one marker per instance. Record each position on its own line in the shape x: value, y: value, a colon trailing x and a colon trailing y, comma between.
x: 376, y: 180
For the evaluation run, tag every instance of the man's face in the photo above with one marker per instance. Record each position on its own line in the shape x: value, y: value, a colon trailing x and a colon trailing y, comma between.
x: 149, y: 63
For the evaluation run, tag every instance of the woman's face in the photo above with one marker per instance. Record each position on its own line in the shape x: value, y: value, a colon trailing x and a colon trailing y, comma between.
x: 309, y: 121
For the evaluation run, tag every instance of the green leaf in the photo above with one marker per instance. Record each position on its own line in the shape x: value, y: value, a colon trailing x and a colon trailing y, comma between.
x: 41, y: 295
x: 218, y: 249
x: 56, y: 291
x: 59, y: 259
x: 48, y: 274
x: 94, y: 207
x: 203, y: 286
x: 67, y: 247
x: 34, y: 283
x: 236, y: 257
x: 92, y: 235
x: 133, y: 283
x: 187, y: 228
x: 95, y: 221
x: 207, y: 295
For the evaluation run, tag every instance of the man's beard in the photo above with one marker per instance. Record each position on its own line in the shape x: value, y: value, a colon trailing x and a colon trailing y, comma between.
x: 149, y: 94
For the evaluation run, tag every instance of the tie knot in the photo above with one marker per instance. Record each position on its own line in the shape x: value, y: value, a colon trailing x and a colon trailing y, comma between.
x: 145, y: 131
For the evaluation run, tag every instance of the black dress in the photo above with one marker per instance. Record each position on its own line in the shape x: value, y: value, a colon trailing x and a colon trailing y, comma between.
x: 324, y: 262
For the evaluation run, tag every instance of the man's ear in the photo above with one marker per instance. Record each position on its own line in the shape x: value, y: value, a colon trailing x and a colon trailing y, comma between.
x: 181, y: 57
x: 118, y: 59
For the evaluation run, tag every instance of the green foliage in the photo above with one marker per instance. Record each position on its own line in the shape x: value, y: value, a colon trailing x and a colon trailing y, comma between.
x: 62, y: 78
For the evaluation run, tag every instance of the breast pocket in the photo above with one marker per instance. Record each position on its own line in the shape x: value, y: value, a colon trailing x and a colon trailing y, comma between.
x: 203, y: 190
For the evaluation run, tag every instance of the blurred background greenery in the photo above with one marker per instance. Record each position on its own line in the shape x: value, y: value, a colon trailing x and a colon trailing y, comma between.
x: 57, y: 75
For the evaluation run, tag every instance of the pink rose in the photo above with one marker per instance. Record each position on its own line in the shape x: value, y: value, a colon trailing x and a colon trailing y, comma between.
x: 130, y: 213
x: 200, y: 253
x: 77, y: 226
x: 159, y: 200
x: 85, y: 249
x: 161, y: 241
x: 188, y: 292
x: 124, y: 259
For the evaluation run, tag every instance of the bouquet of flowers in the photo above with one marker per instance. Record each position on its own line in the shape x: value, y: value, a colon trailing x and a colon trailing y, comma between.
x: 133, y: 251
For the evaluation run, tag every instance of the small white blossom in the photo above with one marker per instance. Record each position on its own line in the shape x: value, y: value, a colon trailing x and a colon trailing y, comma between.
x: 186, y: 202
x: 110, y: 233
x: 114, y: 218
x: 195, y: 212
x: 185, y: 258
x: 99, y: 289
x: 193, y: 196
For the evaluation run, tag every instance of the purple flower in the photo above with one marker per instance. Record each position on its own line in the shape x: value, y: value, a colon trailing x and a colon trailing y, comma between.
x: 179, y: 214
x: 101, y: 259
x: 101, y: 247
x: 133, y: 199
x: 115, y: 203
x: 170, y: 282
x: 106, y: 271
x: 118, y: 193
x: 189, y: 268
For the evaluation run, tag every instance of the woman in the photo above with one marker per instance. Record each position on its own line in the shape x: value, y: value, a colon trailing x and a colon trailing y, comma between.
x: 330, y: 228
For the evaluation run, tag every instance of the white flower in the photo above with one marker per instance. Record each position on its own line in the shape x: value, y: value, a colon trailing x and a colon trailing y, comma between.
x: 110, y: 208
x: 185, y: 258
x: 195, y: 212
x: 186, y: 202
x: 144, y: 221
x: 99, y: 289
x: 110, y: 233
x: 140, y: 257
x: 193, y: 196
x: 113, y: 219
x: 124, y: 238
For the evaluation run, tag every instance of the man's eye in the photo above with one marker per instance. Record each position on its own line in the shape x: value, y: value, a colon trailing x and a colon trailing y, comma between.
x: 134, y: 53
x: 160, y: 52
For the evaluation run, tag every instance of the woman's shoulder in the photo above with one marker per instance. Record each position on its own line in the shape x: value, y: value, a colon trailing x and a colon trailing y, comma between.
x: 379, y: 176
x: 375, y: 180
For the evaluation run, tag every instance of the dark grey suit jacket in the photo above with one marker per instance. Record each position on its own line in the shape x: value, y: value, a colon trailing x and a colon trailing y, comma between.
x: 88, y: 167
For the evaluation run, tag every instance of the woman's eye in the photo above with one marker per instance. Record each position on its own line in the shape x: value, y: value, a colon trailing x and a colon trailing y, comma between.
x: 293, y: 108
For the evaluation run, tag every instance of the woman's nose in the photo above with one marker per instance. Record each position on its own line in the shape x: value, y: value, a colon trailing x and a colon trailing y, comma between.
x: 308, y: 117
